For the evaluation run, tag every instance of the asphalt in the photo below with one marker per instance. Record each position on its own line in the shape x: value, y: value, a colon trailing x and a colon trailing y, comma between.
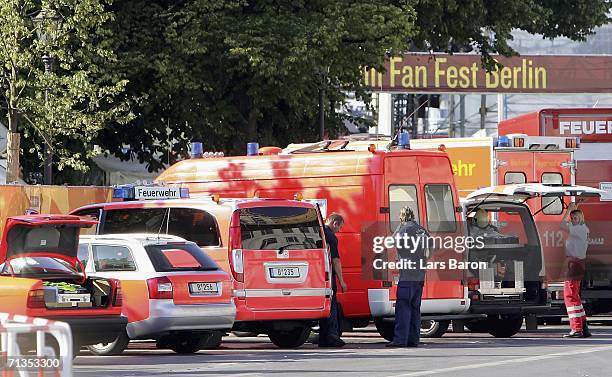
x: 539, y: 353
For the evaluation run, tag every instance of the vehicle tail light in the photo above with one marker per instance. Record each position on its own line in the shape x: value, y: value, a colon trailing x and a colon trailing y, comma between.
x: 473, y: 284
x: 160, y: 288
x: 36, y: 299
x: 570, y: 143
x: 118, y: 296
x: 235, y: 248
x: 518, y: 142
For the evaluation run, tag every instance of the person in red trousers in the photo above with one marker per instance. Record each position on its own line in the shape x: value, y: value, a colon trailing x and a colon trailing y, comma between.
x: 575, y: 254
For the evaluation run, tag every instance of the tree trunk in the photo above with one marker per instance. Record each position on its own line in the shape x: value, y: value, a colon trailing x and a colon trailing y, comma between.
x: 12, y: 147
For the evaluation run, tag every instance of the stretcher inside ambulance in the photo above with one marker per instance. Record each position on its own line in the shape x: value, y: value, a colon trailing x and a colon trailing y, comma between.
x: 274, y: 250
x: 514, y: 283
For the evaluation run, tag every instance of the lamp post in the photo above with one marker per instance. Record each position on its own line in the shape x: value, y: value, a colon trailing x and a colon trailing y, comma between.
x: 48, y: 24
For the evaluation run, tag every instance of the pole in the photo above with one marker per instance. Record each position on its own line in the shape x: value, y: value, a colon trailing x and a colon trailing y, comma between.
x: 451, y: 115
x: 48, y: 154
x: 483, y: 111
x: 462, y: 114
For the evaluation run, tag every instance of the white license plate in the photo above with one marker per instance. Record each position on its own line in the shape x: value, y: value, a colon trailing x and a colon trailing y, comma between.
x: 284, y: 272
x: 203, y: 288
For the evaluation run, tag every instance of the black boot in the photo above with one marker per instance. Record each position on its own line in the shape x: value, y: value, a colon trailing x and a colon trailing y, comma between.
x: 585, y: 329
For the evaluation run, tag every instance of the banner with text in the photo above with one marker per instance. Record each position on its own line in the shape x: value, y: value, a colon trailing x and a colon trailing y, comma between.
x: 519, y: 74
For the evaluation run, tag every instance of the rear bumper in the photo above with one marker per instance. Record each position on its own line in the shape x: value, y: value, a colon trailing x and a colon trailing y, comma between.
x: 382, y: 306
x: 165, y: 316
x: 273, y: 304
x: 93, y: 330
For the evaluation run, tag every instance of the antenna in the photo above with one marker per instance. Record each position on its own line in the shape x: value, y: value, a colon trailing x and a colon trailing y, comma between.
x: 166, y: 218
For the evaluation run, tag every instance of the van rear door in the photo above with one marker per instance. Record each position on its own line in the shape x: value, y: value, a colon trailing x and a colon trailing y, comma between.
x: 283, y: 257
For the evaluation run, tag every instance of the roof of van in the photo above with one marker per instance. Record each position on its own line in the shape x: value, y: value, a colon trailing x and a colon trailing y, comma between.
x: 315, y: 164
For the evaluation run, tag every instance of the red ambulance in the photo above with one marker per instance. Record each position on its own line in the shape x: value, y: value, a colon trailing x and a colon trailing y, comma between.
x: 274, y: 249
x: 590, y: 165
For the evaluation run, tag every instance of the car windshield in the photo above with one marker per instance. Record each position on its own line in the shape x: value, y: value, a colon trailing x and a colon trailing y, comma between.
x: 180, y: 257
x: 37, y: 266
x: 275, y: 227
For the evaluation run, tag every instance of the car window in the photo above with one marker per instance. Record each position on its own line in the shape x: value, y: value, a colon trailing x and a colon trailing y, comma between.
x: 552, y: 205
x: 112, y: 258
x: 37, y: 266
x: 192, y: 224
x: 179, y: 257
x: 401, y: 196
x: 83, y: 254
x: 440, y: 208
x: 92, y: 214
x: 514, y: 177
x: 269, y: 228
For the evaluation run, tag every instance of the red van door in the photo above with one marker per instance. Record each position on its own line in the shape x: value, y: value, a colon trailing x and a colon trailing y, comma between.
x: 284, y: 263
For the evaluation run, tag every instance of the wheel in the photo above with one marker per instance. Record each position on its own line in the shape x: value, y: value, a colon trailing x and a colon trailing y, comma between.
x: 212, y: 340
x: 111, y: 349
x: 433, y: 329
x: 185, y: 344
x: 290, y: 339
x: 505, y: 327
x: 386, y: 329
x: 477, y: 326
x: 245, y: 334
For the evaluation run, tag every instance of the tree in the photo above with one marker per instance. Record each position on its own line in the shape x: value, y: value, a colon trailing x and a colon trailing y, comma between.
x: 236, y: 71
x: 82, y: 90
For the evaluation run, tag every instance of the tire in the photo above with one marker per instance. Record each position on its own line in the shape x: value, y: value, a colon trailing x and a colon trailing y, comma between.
x: 290, y: 339
x: 211, y: 341
x: 386, y: 329
x: 245, y: 334
x: 434, y: 329
x: 186, y: 344
x: 111, y: 349
x: 505, y: 327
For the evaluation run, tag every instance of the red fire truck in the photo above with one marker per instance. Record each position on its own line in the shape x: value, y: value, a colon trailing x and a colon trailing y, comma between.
x: 593, y: 167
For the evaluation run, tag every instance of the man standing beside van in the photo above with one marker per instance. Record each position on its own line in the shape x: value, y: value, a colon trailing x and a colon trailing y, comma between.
x: 329, y: 332
x: 575, y: 252
x: 410, y: 285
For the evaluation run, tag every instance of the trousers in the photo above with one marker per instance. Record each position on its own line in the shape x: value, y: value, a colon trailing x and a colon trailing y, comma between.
x: 329, y: 327
x: 573, y: 304
x: 408, y: 313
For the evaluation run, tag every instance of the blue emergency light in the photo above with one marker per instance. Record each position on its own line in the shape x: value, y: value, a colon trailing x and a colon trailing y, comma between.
x: 503, y: 141
x: 197, y: 150
x: 135, y: 192
x: 404, y: 140
x: 252, y: 149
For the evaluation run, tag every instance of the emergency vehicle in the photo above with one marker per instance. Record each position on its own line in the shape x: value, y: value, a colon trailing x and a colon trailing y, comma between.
x: 591, y: 165
x: 274, y: 250
x: 368, y: 188
x: 40, y: 276
x: 174, y: 292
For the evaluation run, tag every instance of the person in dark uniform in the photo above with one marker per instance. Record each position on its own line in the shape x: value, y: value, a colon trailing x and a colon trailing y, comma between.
x: 329, y: 333
x: 410, y: 285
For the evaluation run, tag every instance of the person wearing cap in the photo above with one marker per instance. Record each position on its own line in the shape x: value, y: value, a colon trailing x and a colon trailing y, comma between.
x: 329, y: 328
x: 575, y: 254
x: 407, y: 330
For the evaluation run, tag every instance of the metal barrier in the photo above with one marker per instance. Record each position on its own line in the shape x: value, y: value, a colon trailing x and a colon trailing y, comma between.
x: 45, y: 363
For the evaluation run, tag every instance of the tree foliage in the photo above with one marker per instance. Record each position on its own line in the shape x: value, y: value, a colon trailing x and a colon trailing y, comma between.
x: 81, y: 89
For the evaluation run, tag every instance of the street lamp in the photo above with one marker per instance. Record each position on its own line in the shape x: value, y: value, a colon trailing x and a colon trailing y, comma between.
x: 48, y: 24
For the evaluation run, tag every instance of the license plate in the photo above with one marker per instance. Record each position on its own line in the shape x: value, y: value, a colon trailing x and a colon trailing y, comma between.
x: 203, y: 288
x: 284, y: 272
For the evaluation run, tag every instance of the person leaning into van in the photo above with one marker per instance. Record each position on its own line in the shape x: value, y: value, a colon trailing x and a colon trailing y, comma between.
x: 410, y: 285
x: 575, y: 253
x: 329, y: 332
